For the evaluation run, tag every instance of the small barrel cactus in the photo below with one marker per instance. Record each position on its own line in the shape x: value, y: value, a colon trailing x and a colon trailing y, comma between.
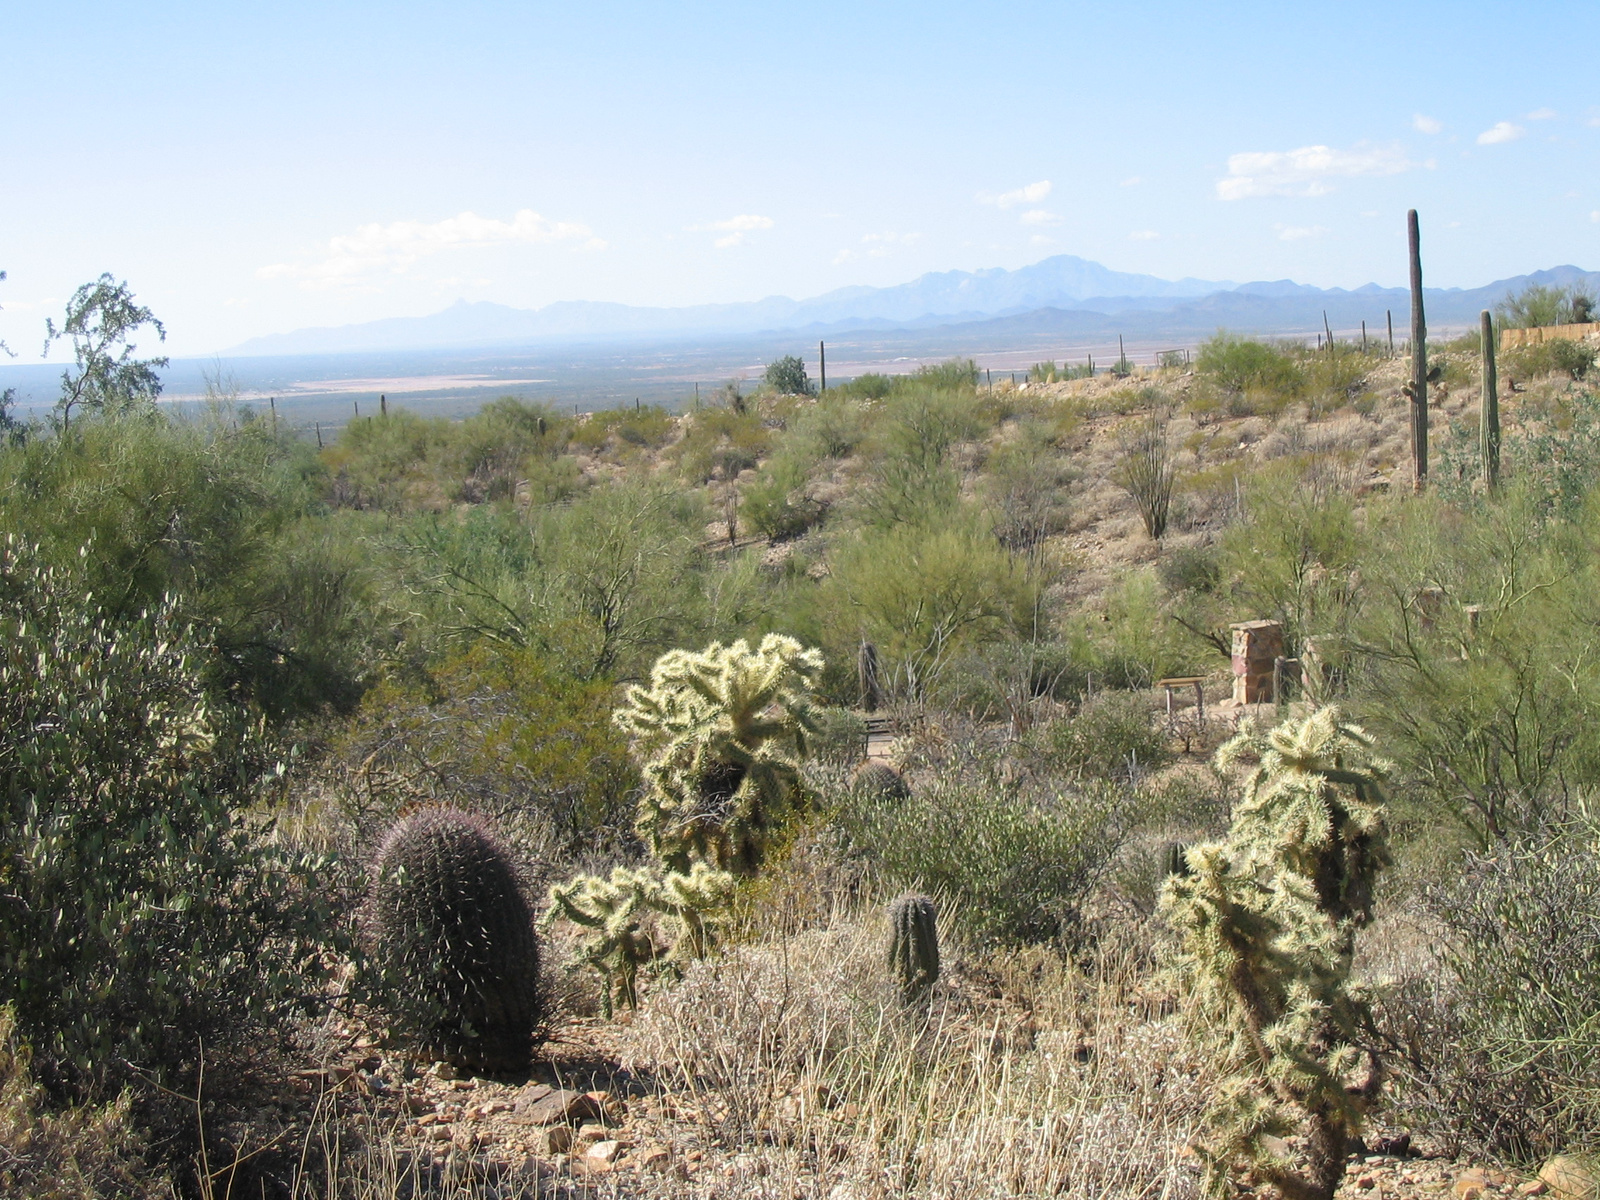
x: 914, y: 947
x: 879, y: 780
x: 454, y: 939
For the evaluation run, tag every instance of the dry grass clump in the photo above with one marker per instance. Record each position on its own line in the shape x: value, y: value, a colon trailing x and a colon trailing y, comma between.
x: 76, y: 1154
x: 799, y: 1055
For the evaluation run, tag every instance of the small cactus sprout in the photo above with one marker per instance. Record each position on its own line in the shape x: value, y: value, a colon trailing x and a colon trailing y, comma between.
x: 454, y: 940
x: 914, y: 947
x: 1174, y: 859
x: 880, y: 781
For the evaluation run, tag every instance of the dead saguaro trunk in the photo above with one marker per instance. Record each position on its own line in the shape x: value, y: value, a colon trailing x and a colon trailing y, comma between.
x: 1418, y: 389
x: 869, y: 677
x: 1489, y: 416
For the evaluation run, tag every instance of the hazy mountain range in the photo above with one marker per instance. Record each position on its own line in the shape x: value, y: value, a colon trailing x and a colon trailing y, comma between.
x: 1060, y: 295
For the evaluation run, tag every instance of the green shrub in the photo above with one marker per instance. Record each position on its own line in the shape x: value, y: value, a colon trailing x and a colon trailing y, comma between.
x: 1540, y: 304
x: 1556, y: 356
x: 1240, y: 365
x: 144, y: 911
x: 1024, y: 859
x: 718, y: 443
x: 495, y: 730
x: 1110, y: 736
x: 787, y: 376
x: 1511, y: 1064
x: 780, y: 504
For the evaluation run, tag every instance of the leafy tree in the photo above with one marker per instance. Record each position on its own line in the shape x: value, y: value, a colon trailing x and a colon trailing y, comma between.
x: 1540, y: 304
x: 105, y: 377
x: 787, y: 377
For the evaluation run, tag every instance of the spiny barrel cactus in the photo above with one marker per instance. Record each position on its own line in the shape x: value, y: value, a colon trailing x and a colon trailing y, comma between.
x: 1268, y: 918
x: 879, y: 780
x: 454, y: 940
x: 722, y: 732
x: 914, y: 947
x: 615, y: 913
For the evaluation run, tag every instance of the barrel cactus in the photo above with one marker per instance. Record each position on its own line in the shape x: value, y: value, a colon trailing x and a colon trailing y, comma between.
x: 880, y: 781
x: 1173, y: 860
x: 914, y: 947
x: 454, y: 942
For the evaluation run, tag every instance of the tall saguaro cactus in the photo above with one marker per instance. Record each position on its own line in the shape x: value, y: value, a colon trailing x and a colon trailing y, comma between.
x: 1489, y: 419
x: 1418, y: 388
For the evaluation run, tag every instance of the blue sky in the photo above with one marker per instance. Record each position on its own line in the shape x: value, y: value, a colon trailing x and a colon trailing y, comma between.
x: 256, y: 168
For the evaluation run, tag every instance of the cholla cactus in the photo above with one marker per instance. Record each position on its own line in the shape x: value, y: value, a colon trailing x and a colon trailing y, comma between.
x: 722, y: 732
x: 618, y: 911
x: 1268, y: 918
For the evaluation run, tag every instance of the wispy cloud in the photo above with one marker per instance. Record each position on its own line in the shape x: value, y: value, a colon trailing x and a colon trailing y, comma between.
x: 1306, y: 171
x: 1038, y: 216
x: 1595, y: 216
x: 1500, y: 132
x: 375, y: 249
x: 1031, y: 194
x: 1295, y: 233
x: 1426, y: 124
x: 734, y: 229
x: 1143, y: 235
x: 876, y: 245
x: 1132, y: 181
x: 1543, y: 114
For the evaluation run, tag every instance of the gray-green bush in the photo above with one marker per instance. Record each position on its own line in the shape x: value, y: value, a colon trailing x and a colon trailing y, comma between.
x: 141, y: 909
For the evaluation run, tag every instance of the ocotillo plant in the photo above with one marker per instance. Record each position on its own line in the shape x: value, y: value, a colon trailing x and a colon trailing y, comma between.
x: 722, y: 733
x: 914, y: 947
x: 1489, y: 418
x: 1268, y: 919
x: 454, y: 941
x: 1417, y: 390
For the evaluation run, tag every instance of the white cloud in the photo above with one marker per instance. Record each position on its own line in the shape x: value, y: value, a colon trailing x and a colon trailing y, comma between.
x: 1038, y: 216
x: 1306, y: 171
x: 734, y: 227
x: 376, y: 248
x: 1031, y: 194
x: 1040, y: 239
x: 878, y: 245
x: 1143, y: 235
x: 1295, y: 233
x: 1132, y: 181
x: 1425, y: 124
x: 1595, y: 216
x: 1501, y: 131
x: 1543, y: 114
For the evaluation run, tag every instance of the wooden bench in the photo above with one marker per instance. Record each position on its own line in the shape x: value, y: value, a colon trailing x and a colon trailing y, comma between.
x: 1197, y: 682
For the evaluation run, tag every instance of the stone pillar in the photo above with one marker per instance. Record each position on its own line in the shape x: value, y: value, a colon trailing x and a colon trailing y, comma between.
x: 1256, y: 646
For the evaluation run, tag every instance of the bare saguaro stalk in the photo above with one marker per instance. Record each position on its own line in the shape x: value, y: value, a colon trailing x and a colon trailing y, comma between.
x: 1419, y: 361
x: 822, y: 366
x: 1489, y: 420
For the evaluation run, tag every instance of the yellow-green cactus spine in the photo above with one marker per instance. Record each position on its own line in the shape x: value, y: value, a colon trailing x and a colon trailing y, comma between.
x: 1268, y: 919
x: 722, y: 732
